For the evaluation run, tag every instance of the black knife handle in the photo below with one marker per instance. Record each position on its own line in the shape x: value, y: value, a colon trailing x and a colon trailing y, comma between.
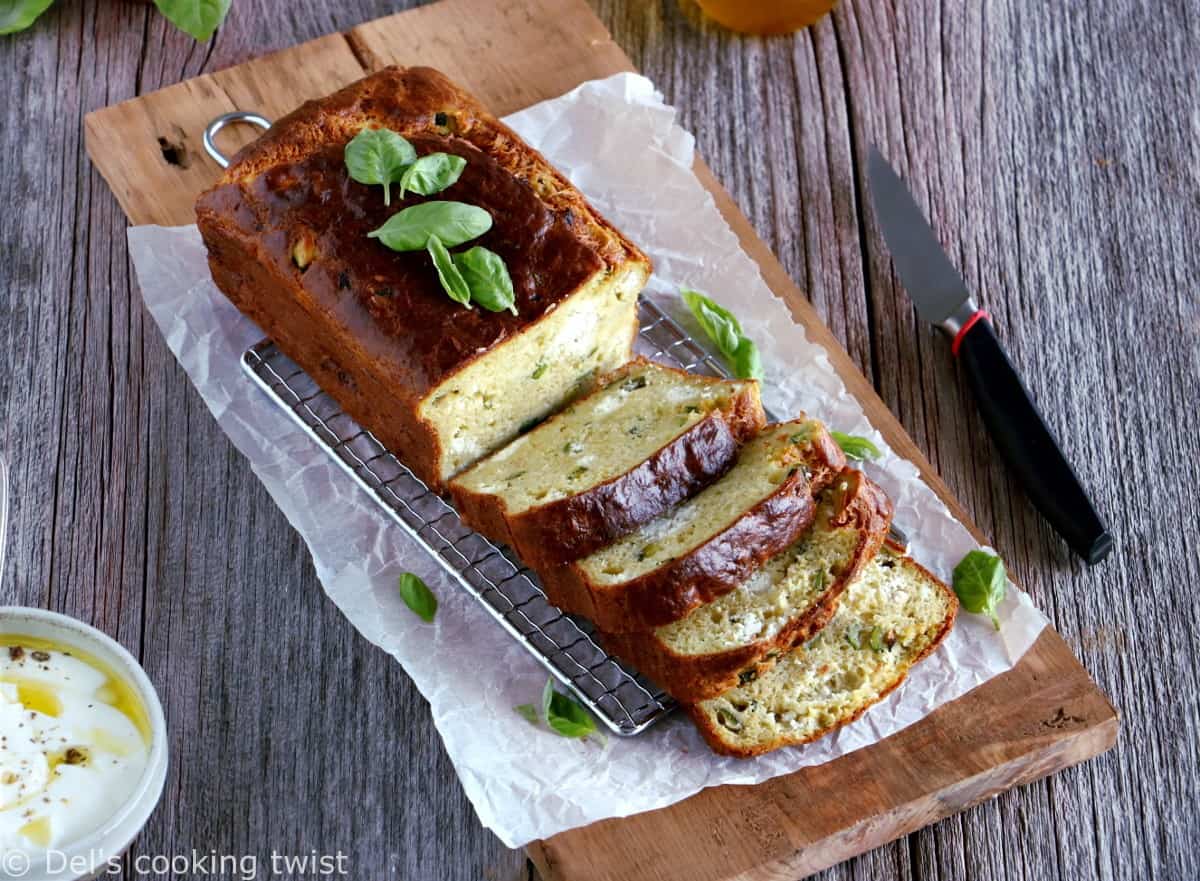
x: 1027, y: 445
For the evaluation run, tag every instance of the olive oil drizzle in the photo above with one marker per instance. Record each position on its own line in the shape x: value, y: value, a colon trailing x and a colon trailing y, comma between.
x: 116, y: 691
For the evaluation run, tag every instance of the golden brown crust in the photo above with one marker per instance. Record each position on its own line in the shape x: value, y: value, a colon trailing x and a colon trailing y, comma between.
x: 694, y: 678
x: 422, y: 102
x: 716, y: 567
x: 567, y: 529
x: 713, y: 739
x: 823, y: 458
x: 378, y: 317
x: 710, y: 570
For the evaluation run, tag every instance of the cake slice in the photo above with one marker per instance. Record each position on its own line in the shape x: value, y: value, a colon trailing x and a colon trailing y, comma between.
x: 737, y: 637
x: 893, y: 615
x: 440, y: 384
x: 707, y: 545
x: 649, y: 437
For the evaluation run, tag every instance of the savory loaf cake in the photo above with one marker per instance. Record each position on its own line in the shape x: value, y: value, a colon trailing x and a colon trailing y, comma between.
x: 440, y: 383
x: 707, y: 545
x: 649, y: 437
x: 737, y: 637
x: 893, y: 615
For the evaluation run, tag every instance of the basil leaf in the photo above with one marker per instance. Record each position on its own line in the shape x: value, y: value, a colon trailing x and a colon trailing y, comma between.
x: 747, y: 363
x: 723, y: 328
x: 856, y: 447
x: 197, y: 18
x: 16, y: 15
x: 547, y: 696
x: 980, y: 582
x: 487, y: 276
x: 452, y: 222
x: 567, y: 717
x: 452, y: 281
x: 418, y: 597
x: 379, y: 156
x: 431, y: 174
x: 528, y: 712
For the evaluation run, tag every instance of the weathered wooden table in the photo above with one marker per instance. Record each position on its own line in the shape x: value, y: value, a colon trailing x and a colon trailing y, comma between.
x: 1058, y: 153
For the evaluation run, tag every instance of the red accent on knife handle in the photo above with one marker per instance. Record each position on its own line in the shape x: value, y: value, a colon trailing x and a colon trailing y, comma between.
x: 980, y: 315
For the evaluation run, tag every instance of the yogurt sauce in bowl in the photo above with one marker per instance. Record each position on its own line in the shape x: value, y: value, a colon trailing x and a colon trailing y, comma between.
x: 74, y: 744
x: 83, y: 747
x: 83, y: 742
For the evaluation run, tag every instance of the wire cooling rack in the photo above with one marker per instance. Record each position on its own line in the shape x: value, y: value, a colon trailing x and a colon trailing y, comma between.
x: 625, y: 701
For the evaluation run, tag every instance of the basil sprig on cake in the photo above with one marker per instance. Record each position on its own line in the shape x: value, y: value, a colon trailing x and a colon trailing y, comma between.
x: 379, y: 156
x: 477, y: 275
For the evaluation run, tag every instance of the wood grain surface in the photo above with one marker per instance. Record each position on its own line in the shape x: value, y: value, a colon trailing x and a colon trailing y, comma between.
x: 1058, y: 159
x: 1044, y: 715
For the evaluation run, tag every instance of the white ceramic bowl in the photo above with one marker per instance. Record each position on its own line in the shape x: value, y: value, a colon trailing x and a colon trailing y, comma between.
x: 88, y: 857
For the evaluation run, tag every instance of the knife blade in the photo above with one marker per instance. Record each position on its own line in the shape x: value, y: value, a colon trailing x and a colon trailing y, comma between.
x: 932, y: 281
x: 1020, y: 433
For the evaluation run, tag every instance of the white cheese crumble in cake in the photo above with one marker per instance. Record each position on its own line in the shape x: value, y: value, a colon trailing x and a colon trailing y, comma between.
x: 738, y: 636
x: 893, y: 615
x: 646, y: 439
x: 708, y: 545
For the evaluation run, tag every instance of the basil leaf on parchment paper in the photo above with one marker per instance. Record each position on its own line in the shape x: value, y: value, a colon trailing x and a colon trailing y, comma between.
x: 722, y: 327
x: 418, y: 597
x: 563, y: 714
x: 855, y: 446
x: 981, y: 582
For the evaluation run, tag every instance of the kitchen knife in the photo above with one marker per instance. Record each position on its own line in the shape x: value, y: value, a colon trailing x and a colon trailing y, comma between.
x: 1012, y: 419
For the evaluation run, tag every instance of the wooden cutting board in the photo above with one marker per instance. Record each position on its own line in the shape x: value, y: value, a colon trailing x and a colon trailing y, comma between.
x: 1043, y: 716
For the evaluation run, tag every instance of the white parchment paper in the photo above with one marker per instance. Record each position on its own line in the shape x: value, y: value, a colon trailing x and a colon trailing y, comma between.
x: 618, y: 143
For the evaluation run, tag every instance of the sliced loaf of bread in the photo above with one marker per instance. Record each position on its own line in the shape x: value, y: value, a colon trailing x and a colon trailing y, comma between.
x: 646, y: 439
x: 737, y: 637
x: 706, y: 546
x: 893, y: 615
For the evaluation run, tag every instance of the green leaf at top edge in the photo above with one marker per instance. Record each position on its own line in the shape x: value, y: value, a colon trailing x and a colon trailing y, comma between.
x: 198, y: 19
x: 418, y: 597
x: 980, y: 583
x: 17, y: 15
x: 452, y: 281
x: 856, y: 447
